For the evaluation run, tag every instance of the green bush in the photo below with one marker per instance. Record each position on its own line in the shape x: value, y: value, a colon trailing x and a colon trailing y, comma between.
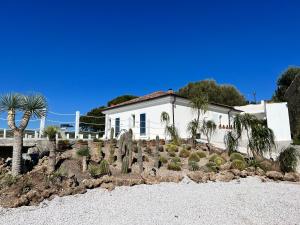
x: 184, y: 153
x: 194, y: 157
x: 201, y: 154
x: 212, y: 166
x: 288, y: 159
x: 172, y: 154
x: 163, y: 159
x: 6, y: 180
x: 212, y: 157
x: 238, y: 164
x: 174, y: 166
x: 193, y: 166
x: 219, y: 161
x: 254, y: 163
x: 236, y: 155
x: 176, y: 159
x: 171, y: 148
x: 84, y: 151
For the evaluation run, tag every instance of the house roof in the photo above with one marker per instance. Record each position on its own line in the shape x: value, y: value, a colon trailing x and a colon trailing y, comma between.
x: 156, y: 95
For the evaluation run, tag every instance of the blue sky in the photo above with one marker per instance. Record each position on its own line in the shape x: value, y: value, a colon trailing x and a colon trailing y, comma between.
x: 80, y: 54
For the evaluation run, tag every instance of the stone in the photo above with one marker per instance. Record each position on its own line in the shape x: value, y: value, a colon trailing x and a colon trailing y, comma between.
x: 108, y: 186
x: 198, y: 176
x: 250, y: 169
x: 212, y: 176
x: 225, y: 176
x: 292, y: 177
x: 225, y: 166
x: 259, y: 172
x: 243, y: 174
x: 274, y: 175
x: 236, y: 172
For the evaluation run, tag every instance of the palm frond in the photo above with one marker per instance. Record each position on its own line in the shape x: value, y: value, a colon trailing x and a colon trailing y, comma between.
x: 10, y: 101
x: 35, y: 104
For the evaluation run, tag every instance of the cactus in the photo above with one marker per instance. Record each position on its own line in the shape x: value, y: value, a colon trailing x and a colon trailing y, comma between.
x: 121, y: 147
x: 129, y: 146
x: 104, y: 168
x: 125, y: 165
x: 193, y: 166
x: 111, y: 147
x: 140, y: 156
x: 156, y: 153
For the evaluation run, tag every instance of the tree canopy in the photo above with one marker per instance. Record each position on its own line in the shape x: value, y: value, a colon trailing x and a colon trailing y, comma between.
x: 222, y: 94
x: 94, y: 121
x: 121, y: 99
x: 284, y: 81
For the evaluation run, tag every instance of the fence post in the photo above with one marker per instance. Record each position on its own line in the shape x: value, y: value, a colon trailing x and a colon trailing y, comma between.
x: 42, y: 125
x: 35, y: 134
x: 4, y: 133
x: 77, y: 120
x: 68, y: 136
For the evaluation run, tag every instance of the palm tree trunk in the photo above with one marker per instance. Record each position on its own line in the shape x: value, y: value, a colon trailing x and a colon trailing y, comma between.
x: 52, y: 156
x: 17, y: 153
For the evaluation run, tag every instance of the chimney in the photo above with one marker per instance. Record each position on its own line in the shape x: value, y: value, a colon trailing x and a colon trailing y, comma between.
x: 170, y: 91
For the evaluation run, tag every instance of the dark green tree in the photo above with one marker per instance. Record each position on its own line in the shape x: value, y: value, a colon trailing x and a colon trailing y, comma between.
x: 94, y: 121
x: 284, y: 81
x: 121, y: 99
x: 222, y: 94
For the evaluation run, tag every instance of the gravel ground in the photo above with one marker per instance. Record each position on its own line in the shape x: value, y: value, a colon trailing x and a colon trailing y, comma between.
x: 246, y: 202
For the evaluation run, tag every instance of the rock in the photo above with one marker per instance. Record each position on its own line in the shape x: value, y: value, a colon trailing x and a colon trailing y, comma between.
x: 243, y: 174
x: 274, y: 175
x: 250, y: 169
x: 259, y: 172
x: 198, y: 176
x: 225, y: 166
x: 250, y: 173
x: 20, y: 202
x: 212, y: 176
x: 108, y: 186
x: 225, y: 156
x: 263, y: 179
x: 225, y: 176
x: 47, y: 193
x: 293, y: 177
x: 236, y: 172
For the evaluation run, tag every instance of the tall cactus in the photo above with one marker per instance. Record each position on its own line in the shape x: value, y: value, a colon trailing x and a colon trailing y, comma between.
x: 129, y: 146
x: 156, y: 153
x: 121, y: 146
x: 125, y: 165
x: 140, y: 156
x: 104, y: 168
x: 111, y: 147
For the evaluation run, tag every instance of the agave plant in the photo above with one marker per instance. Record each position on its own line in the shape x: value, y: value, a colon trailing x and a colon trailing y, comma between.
x: 51, y: 132
x: 193, y: 129
x: 31, y: 106
x: 170, y: 130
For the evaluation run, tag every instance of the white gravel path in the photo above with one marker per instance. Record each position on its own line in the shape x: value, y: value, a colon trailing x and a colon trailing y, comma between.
x: 247, y: 202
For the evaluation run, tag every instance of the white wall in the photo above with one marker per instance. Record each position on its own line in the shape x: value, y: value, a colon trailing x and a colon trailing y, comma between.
x: 278, y: 120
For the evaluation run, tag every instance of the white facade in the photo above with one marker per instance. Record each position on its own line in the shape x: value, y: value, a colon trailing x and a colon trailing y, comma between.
x: 129, y: 116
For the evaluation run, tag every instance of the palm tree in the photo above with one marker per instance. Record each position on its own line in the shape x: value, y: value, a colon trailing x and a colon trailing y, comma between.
x: 193, y: 129
x: 208, y: 128
x: 51, y: 132
x: 169, y: 129
x: 200, y: 105
x: 31, y: 106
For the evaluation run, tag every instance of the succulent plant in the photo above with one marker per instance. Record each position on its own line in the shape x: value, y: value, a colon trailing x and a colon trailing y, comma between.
x: 193, y: 166
x: 184, y: 153
x: 125, y: 165
x: 201, y: 154
x: 140, y: 156
x: 194, y: 157
x: 104, y: 168
x: 176, y: 159
x: 212, y: 166
x: 172, y: 147
x: 156, y: 153
x: 219, y: 161
x: 163, y: 160
x: 238, y: 164
x: 174, y: 166
x: 111, y: 147
x: 236, y: 155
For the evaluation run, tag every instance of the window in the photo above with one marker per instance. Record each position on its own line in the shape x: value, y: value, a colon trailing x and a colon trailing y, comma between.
x: 143, y: 124
x: 133, y: 120
x: 117, y: 127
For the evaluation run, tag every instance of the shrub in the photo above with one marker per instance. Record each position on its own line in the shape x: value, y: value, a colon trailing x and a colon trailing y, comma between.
x: 194, y: 157
x: 172, y: 154
x: 94, y: 170
x: 201, y: 154
x: 288, y: 159
x: 163, y: 160
x: 84, y: 151
x: 174, y: 166
x: 254, y: 163
x: 212, y: 166
x: 193, y: 166
x: 171, y: 147
x: 212, y: 157
x: 236, y: 155
x: 176, y: 159
x: 219, y: 161
x: 6, y: 180
x: 184, y: 153
x: 238, y: 164
x: 104, y: 168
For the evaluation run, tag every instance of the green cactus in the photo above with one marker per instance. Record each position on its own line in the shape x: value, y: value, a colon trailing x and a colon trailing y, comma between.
x: 193, y: 166
x: 111, y: 147
x: 125, y: 165
x: 140, y: 157
x: 129, y: 146
x: 156, y: 153
x: 104, y: 168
